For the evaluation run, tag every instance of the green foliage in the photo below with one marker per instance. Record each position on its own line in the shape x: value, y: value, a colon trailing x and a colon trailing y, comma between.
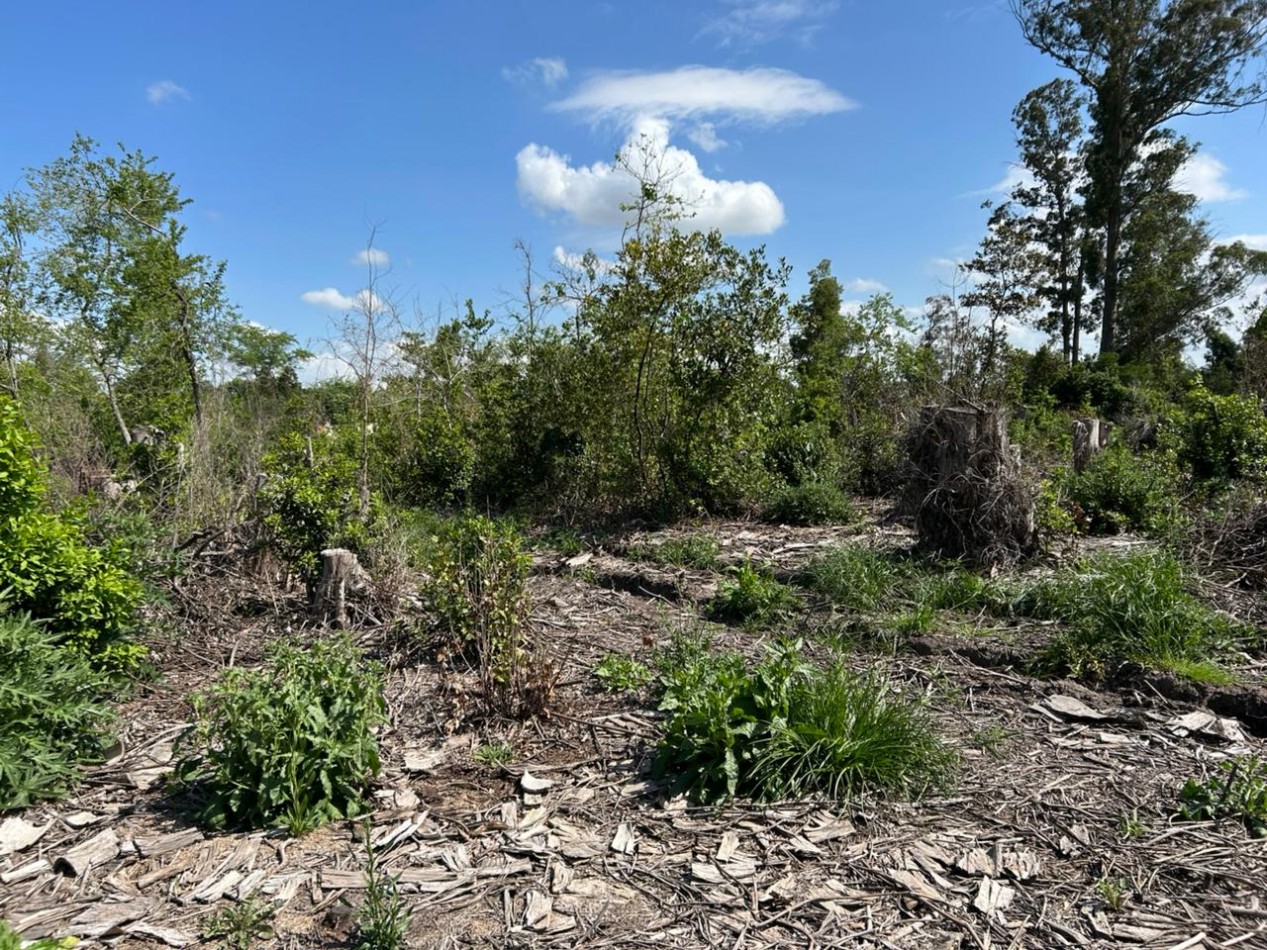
x: 1124, y: 490
x: 241, y: 925
x: 477, y: 594
x: 750, y: 596
x: 1223, y: 437
x: 811, y: 503
x: 783, y: 728
x: 48, y: 569
x: 1130, y: 608
x: 1238, y: 790
x: 494, y: 753
x: 383, y: 919
x: 310, y: 500
x: 693, y: 550
x: 619, y: 673
x: 10, y: 939
x: 292, y: 743
x: 50, y: 710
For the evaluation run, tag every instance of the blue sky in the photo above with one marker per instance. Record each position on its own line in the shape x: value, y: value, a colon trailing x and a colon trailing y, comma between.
x: 859, y: 131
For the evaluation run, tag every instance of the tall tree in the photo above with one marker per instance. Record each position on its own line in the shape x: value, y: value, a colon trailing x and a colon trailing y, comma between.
x: 820, y: 349
x: 1144, y: 63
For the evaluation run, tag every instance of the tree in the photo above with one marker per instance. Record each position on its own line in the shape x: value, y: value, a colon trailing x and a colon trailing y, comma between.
x: 1003, y: 275
x: 820, y: 350
x: 20, y: 329
x: 1144, y: 63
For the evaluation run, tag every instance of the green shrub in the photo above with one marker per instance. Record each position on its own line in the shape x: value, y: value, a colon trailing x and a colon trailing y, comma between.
x: 310, y: 501
x: 1130, y: 608
x: 749, y: 596
x: 292, y: 743
x: 811, y: 503
x: 47, y: 568
x: 10, y: 939
x: 1238, y: 791
x: 477, y: 594
x: 619, y: 673
x: 50, y: 715
x: 694, y: 550
x: 1223, y: 437
x: 241, y: 925
x: 785, y: 728
x: 1122, y: 490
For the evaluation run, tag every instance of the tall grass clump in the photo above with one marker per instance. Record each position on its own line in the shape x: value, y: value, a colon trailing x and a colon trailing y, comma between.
x: 856, y: 577
x: 694, y: 550
x: 783, y: 728
x: 1131, y: 608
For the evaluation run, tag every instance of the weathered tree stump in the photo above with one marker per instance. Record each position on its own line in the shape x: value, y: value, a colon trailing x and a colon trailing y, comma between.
x: 966, y: 489
x: 1088, y: 439
x: 341, y: 575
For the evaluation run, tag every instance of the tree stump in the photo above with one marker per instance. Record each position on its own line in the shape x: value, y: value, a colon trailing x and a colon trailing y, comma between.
x: 965, y: 487
x: 1088, y: 439
x: 341, y: 575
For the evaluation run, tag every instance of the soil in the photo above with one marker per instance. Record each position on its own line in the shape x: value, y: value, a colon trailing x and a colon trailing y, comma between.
x: 1062, y: 829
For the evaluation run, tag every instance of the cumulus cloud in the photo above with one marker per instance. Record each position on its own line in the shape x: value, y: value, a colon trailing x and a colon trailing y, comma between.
x: 547, y: 70
x: 760, y: 95
x: 1256, y: 242
x: 1202, y: 176
x: 752, y: 22
x: 1016, y: 175
x: 863, y: 285
x: 592, y: 194
x: 705, y: 137
x: 373, y: 257
x: 330, y: 298
x: 165, y: 91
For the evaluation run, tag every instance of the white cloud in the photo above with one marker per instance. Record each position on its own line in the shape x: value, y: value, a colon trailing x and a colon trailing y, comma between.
x: 863, y: 285
x: 1202, y: 177
x: 705, y: 137
x: 373, y: 257
x: 592, y: 194
x: 760, y: 95
x: 572, y: 261
x: 1256, y: 242
x: 750, y: 22
x: 330, y: 298
x: 165, y: 91
x: 547, y: 70
x: 1016, y: 175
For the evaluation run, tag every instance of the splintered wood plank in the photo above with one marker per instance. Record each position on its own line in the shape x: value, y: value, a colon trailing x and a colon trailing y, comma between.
x: 105, y: 918
x: 26, y: 871
x: 92, y: 853
x: 156, y: 846
x: 17, y: 834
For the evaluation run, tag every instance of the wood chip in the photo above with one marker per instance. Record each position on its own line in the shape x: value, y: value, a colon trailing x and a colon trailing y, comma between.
x: 167, y: 935
x: 530, y: 783
x: 625, y: 841
x: 25, y: 872
x: 81, y: 819
x: 92, y: 853
x: 992, y: 897
x: 1067, y: 707
x: 17, y: 834
x: 104, y: 918
x: 538, y: 909
x: 153, y: 847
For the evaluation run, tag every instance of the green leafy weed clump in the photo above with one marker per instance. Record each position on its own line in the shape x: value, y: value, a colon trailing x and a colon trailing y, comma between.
x: 1238, y: 791
x: 292, y: 743
x: 750, y: 596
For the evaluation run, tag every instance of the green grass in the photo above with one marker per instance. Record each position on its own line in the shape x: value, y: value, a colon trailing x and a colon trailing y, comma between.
x: 1129, y: 609
x: 811, y: 503
x: 697, y: 551
x: 494, y: 754
x: 855, y: 577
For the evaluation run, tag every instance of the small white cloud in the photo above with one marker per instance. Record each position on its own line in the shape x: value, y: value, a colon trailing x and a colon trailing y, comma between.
x: 330, y: 298
x: 547, y: 70
x: 760, y: 95
x: 751, y: 22
x: 1017, y: 175
x: 593, y: 194
x: 705, y: 136
x: 164, y: 91
x: 1202, y: 176
x: 373, y: 257
x: 862, y: 285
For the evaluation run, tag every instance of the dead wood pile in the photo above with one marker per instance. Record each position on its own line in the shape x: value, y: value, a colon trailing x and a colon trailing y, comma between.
x: 965, y: 486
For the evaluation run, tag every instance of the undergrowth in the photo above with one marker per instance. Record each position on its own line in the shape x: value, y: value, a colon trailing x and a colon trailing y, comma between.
x: 1238, y: 791
x: 292, y: 743
x: 694, y: 550
x: 750, y: 596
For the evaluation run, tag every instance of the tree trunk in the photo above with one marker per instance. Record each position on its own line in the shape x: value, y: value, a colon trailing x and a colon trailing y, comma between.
x: 341, y: 574
x: 1088, y: 439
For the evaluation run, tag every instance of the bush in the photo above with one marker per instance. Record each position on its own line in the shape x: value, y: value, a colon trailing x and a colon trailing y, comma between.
x: 749, y: 596
x: 1129, y: 608
x: 811, y: 503
x: 50, y: 710
x: 477, y: 594
x: 292, y: 743
x: 785, y: 728
x: 1223, y: 437
x: 310, y: 501
x: 1122, y: 490
x: 47, y: 568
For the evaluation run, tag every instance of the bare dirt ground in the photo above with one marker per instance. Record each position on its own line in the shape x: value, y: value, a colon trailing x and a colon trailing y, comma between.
x: 1061, y: 831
